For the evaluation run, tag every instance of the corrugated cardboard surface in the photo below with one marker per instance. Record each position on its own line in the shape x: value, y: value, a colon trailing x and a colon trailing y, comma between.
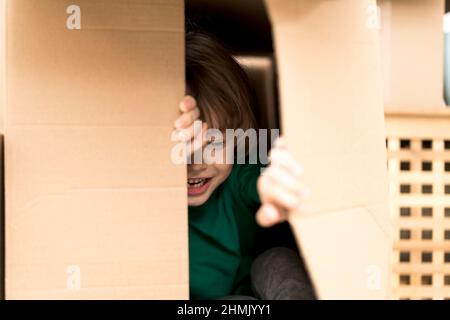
x: 94, y: 206
x: 413, y: 52
x: 332, y: 116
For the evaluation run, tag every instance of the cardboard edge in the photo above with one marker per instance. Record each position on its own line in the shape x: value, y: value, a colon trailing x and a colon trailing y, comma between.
x: 182, y: 288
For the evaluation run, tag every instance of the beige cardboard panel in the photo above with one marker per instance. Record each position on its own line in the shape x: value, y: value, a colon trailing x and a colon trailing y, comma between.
x: 163, y: 292
x: 331, y: 98
x: 363, y: 277
x: 102, y: 14
x: 413, y: 53
x: 113, y: 236
x: 91, y: 191
x: 87, y: 158
x: 332, y: 116
x: 133, y: 56
x: 149, y: 15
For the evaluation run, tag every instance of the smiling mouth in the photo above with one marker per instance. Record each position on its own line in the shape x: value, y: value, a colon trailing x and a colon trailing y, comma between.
x: 197, y: 182
x: 197, y: 186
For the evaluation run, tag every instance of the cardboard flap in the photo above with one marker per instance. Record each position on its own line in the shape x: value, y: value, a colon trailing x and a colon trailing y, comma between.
x: 332, y: 116
x: 91, y: 191
x: 343, y: 251
x: 412, y: 46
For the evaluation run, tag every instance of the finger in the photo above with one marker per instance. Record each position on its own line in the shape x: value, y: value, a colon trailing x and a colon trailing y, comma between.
x: 269, y: 215
x: 187, y: 119
x: 273, y: 193
x: 283, y: 158
x: 188, y: 103
x: 198, y: 142
x: 284, y: 179
x: 191, y: 132
x: 200, y: 139
x: 280, y: 143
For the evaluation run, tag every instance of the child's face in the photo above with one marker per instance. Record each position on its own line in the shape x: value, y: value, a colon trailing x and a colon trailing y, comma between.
x: 203, y: 179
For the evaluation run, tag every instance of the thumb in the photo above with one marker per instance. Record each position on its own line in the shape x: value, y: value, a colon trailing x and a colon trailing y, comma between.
x: 269, y: 215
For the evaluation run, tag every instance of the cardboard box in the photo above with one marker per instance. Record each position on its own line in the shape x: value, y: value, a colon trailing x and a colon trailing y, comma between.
x: 94, y: 206
x: 413, y: 53
x: 332, y: 115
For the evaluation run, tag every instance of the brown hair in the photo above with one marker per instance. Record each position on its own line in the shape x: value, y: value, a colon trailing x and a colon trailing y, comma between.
x: 218, y: 83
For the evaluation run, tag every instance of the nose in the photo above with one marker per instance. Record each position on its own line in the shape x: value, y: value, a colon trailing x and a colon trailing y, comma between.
x: 197, y: 167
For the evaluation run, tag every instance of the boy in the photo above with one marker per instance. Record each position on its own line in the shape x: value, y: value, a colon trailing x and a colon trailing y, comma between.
x: 227, y: 200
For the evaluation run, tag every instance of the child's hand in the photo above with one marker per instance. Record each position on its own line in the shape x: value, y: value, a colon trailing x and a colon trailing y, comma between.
x: 279, y: 187
x: 186, y: 130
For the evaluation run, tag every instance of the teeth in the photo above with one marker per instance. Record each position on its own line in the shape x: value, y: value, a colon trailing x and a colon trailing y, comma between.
x: 196, y: 182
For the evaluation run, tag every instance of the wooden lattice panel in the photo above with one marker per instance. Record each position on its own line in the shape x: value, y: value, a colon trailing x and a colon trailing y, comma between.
x: 418, y: 146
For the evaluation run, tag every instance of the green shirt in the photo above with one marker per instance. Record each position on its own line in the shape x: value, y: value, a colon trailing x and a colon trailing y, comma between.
x: 222, y: 236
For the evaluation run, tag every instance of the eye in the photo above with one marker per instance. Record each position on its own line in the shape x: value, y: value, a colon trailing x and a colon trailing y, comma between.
x: 217, y: 143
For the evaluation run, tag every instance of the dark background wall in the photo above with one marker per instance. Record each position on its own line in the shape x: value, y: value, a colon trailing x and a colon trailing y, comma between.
x: 242, y: 26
